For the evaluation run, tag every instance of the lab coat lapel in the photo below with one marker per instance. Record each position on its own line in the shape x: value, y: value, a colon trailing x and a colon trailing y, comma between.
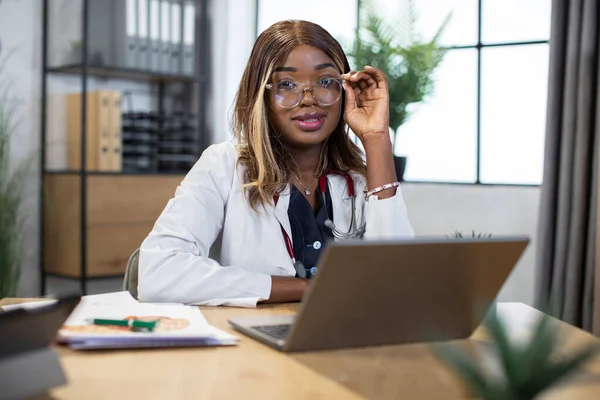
x: 338, y: 186
x: 281, y: 211
x: 341, y: 202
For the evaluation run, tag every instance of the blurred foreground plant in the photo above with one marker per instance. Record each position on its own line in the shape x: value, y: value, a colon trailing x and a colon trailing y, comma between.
x: 527, y: 369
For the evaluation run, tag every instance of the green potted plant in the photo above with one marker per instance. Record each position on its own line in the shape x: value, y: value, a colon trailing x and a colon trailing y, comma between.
x: 519, y: 370
x: 474, y: 235
x: 408, y: 67
x: 10, y: 201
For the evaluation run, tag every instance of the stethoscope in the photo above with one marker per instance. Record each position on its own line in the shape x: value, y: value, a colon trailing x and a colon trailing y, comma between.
x: 353, y: 230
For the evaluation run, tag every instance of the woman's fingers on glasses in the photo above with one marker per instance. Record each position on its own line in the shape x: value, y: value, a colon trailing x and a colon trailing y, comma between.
x: 356, y: 87
x: 363, y: 79
x: 357, y: 91
x: 348, y: 75
x: 377, y: 75
x: 363, y: 85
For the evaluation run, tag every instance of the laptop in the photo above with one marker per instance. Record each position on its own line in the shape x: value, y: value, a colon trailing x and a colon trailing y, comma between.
x: 371, y: 293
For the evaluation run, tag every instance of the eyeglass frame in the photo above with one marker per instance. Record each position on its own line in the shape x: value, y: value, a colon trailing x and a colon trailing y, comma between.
x: 269, y: 86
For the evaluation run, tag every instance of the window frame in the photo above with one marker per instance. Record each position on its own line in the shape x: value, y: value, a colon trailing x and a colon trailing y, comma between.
x: 479, y: 46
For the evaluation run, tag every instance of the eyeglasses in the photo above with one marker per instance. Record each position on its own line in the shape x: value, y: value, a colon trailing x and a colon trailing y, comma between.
x: 325, y: 91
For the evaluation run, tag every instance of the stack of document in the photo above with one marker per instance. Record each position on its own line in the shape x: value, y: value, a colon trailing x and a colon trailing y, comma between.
x: 177, y: 325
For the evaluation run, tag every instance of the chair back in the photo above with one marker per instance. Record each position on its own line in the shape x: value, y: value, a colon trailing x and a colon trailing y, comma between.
x: 130, y: 280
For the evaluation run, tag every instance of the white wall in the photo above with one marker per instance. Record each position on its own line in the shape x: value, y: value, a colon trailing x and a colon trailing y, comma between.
x: 436, y: 209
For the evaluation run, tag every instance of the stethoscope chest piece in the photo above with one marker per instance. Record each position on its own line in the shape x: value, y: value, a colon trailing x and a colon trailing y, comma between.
x: 304, y: 272
x: 300, y: 269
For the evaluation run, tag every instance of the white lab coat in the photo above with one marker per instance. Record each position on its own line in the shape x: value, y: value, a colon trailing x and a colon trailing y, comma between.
x: 209, y: 210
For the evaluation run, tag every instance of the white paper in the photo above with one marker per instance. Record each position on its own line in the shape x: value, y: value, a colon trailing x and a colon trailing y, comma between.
x: 178, y: 323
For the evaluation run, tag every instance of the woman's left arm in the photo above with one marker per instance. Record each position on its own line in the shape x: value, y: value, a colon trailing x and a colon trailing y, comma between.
x: 367, y: 114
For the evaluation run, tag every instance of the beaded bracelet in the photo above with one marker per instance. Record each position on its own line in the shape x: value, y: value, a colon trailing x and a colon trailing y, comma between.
x: 380, y: 189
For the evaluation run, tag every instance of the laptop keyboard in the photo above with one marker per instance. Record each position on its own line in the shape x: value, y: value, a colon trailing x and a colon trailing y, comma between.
x: 278, y: 332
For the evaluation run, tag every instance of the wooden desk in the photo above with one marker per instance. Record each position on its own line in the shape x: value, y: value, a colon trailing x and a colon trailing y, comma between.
x: 252, y: 370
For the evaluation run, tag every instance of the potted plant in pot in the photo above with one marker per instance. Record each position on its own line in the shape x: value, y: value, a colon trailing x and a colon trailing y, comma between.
x: 408, y: 68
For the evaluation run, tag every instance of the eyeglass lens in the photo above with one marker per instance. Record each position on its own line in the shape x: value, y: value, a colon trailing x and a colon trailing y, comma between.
x: 325, y: 92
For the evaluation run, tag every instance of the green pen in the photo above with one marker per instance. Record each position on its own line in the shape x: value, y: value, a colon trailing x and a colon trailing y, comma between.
x: 132, y: 323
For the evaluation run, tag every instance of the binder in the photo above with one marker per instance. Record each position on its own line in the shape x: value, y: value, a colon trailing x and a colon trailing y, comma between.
x: 103, y: 101
x: 176, y: 33
x: 143, y: 36
x: 188, y: 63
x: 154, y: 35
x: 113, y: 30
x: 97, y: 131
x: 122, y: 29
x: 116, y: 132
x: 101, y: 35
x: 165, y: 36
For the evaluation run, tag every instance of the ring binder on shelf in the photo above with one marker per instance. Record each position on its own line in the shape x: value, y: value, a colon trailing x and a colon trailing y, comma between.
x: 176, y: 26
x: 189, y: 43
x: 165, y: 36
x: 154, y: 29
x: 113, y: 33
x: 143, y: 36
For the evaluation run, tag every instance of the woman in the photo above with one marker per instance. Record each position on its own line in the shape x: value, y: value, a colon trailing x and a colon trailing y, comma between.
x: 272, y: 202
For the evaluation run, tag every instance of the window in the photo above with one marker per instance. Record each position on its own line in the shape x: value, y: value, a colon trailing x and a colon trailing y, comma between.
x: 440, y: 136
x: 513, y: 113
x: 485, y: 121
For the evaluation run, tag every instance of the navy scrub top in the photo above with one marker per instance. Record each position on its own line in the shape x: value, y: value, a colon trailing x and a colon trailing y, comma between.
x: 309, y: 233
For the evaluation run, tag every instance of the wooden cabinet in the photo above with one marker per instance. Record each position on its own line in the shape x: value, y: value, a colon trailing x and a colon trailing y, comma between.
x: 120, y: 211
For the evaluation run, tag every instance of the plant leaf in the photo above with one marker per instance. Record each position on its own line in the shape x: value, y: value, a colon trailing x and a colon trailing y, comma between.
x: 551, y: 374
x: 468, y: 370
x: 541, y: 347
x: 509, y: 354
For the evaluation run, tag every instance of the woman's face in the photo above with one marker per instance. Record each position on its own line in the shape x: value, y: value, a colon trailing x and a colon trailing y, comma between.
x: 309, y: 123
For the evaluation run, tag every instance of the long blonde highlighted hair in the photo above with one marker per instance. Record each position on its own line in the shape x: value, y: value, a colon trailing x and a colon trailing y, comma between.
x: 261, y: 152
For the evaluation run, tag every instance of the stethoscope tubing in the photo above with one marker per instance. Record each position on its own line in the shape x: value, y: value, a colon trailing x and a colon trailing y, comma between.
x: 352, y: 231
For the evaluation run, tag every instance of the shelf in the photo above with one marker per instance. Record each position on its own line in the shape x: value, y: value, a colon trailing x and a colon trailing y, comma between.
x: 121, y: 73
x: 91, y: 221
x: 91, y: 278
x: 109, y: 173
